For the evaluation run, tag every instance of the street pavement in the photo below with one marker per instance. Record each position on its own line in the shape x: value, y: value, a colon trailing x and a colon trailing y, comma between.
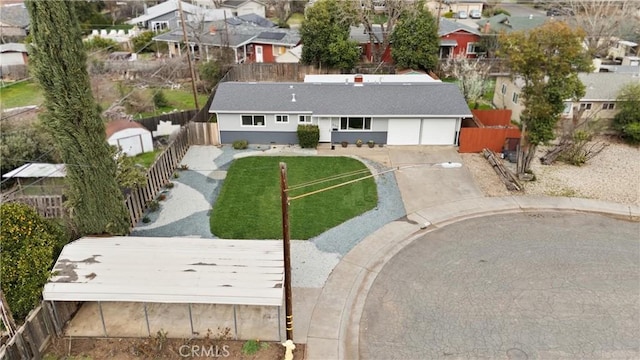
x: 525, y: 285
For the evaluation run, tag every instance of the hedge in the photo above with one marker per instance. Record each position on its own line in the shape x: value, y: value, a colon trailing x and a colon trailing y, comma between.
x: 308, y: 136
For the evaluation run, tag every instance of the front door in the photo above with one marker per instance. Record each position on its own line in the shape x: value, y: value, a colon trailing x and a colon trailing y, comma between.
x: 259, y: 57
x: 324, y: 125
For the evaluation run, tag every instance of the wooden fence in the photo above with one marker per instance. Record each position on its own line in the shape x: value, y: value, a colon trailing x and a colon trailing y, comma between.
x: 159, y: 174
x: 203, y: 133
x: 33, y: 337
x: 494, y: 127
x: 48, y: 206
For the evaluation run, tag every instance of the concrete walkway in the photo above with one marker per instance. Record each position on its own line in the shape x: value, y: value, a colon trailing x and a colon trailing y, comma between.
x: 334, y: 326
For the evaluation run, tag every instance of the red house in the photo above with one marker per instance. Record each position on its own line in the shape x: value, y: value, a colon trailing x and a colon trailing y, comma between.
x: 268, y: 45
x: 361, y: 35
x: 457, y: 38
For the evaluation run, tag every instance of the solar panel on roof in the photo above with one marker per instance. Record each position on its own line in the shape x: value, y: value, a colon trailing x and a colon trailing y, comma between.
x: 271, y: 35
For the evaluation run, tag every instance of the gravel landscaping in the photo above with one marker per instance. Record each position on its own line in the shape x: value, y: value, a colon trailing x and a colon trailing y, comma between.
x: 613, y: 175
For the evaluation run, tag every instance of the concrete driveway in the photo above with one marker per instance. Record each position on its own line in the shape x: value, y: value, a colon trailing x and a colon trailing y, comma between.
x: 421, y: 180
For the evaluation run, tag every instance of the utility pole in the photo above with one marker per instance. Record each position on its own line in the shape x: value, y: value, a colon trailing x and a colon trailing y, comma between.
x: 191, y: 70
x: 438, y: 17
x: 287, y: 250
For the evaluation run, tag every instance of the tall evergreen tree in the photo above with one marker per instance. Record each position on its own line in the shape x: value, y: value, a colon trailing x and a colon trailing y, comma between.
x: 59, y: 64
x: 415, y: 39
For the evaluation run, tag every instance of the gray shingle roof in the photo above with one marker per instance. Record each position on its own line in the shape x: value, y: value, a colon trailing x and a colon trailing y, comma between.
x: 448, y: 26
x: 435, y: 99
x: 16, y: 15
x: 605, y: 85
x: 502, y: 22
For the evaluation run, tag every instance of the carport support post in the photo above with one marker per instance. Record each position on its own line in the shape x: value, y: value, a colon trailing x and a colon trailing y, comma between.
x: 104, y: 327
x: 287, y: 251
x: 146, y: 318
x: 235, y: 322
x: 190, y: 319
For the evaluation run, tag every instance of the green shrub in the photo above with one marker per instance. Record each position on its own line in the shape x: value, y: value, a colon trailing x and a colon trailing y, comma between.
x: 240, y: 144
x: 98, y: 43
x: 449, y: 15
x: 308, y: 136
x: 154, y: 205
x: 631, y: 133
x: 159, y: 100
x: 489, y: 12
x: 28, y: 244
x: 251, y: 347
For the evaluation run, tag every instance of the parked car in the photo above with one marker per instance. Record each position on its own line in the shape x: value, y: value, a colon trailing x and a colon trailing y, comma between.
x: 462, y: 14
x: 475, y: 14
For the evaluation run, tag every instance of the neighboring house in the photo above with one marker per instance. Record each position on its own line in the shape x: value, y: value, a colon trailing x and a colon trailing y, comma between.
x: 387, y: 113
x: 244, y: 7
x: 506, y: 23
x: 599, y: 101
x: 39, y: 178
x: 252, y: 38
x: 13, y: 54
x: 166, y: 16
x: 623, y: 48
x: 14, y: 23
x: 465, y: 5
x: 369, y: 44
x: 130, y: 136
x: 457, y: 38
x: 293, y: 55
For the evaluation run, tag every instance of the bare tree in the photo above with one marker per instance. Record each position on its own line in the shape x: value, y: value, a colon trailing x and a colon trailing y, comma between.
x: 281, y: 8
x: 604, y: 21
x: 380, y: 34
x: 471, y: 74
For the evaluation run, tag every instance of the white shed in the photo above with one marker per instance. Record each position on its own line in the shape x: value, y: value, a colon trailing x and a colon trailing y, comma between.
x: 131, y: 136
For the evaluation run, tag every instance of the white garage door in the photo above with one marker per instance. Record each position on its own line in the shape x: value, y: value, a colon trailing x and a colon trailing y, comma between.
x: 403, y: 132
x: 131, y: 145
x: 438, y: 132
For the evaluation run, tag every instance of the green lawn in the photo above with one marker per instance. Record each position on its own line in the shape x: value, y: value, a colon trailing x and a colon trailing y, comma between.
x: 178, y: 99
x: 146, y: 159
x: 20, y: 94
x: 295, y: 19
x: 249, y: 206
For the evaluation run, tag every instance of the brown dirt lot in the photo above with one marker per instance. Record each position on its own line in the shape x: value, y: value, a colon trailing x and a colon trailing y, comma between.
x: 157, y: 348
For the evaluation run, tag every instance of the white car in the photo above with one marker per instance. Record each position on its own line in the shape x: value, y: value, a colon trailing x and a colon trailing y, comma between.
x: 462, y: 14
x: 475, y: 14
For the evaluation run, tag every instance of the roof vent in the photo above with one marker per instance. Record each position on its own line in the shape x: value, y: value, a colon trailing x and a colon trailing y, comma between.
x: 290, y: 86
x: 530, y: 16
x: 293, y: 97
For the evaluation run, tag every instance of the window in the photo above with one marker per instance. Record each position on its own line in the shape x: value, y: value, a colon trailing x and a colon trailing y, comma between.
x: 608, y: 106
x: 282, y: 118
x: 304, y: 118
x: 278, y: 50
x: 585, y: 106
x: 355, y: 123
x: 159, y: 25
x: 504, y: 89
x: 515, y: 97
x: 252, y: 120
x: 472, y: 48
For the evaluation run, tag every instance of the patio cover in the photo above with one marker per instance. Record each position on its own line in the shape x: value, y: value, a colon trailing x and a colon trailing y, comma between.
x: 169, y: 270
x: 37, y: 170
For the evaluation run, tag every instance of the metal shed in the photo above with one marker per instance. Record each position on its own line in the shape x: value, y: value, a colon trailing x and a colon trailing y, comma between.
x: 169, y: 271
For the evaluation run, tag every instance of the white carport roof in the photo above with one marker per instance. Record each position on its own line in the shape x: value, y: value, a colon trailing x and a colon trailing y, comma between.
x: 169, y: 270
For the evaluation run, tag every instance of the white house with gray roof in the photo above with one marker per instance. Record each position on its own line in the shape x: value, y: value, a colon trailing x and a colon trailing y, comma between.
x: 387, y: 113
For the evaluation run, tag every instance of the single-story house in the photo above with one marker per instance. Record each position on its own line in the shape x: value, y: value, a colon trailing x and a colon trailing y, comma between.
x: 252, y: 38
x: 166, y: 15
x: 13, y: 54
x: 457, y: 38
x: 368, y: 44
x: 370, y: 78
x: 132, y: 137
x: 599, y: 101
x: 14, y: 22
x: 507, y: 23
x: 244, y: 7
x: 387, y: 113
x: 455, y: 6
x: 292, y: 55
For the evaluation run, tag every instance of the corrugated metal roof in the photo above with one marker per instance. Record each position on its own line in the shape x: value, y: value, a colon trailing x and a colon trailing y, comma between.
x: 37, y: 170
x: 424, y: 99
x: 169, y: 270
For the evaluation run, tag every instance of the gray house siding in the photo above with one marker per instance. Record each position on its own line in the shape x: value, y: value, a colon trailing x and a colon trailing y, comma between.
x: 259, y: 137
x: 379, y: 137
x: 233, y: 122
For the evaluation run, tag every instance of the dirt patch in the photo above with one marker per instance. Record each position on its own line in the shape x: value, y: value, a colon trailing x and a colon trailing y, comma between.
x: 158, y: 348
